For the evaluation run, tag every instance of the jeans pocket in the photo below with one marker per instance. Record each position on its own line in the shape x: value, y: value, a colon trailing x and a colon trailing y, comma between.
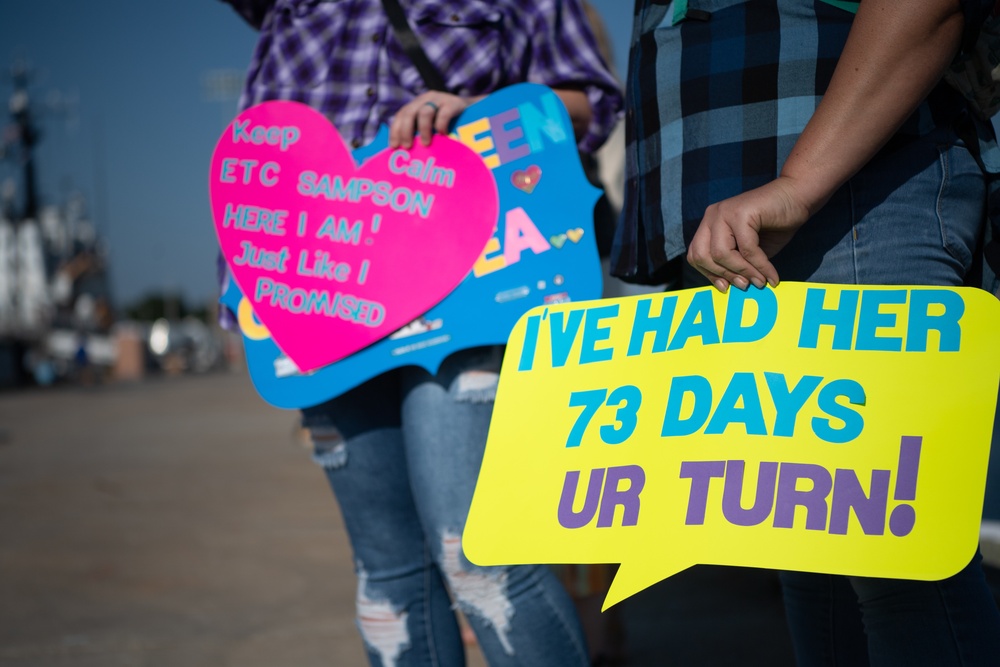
x: 961, y: 204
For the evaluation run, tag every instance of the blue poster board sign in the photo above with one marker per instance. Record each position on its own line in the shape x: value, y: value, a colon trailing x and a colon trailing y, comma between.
x: 543, y: 252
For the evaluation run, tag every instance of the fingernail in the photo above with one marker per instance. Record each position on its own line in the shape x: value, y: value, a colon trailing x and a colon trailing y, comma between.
x: 740, y: 283
x: 721, y: 285
x: 758, y: 283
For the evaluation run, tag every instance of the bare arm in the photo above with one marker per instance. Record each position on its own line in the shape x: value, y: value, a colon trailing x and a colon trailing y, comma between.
x: 578, y: 106
x: 895, y: 54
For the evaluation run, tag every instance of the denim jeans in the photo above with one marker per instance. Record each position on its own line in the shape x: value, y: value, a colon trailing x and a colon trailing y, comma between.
x: 857, y: 621
x: 402, y: 453
x: 914, y: 215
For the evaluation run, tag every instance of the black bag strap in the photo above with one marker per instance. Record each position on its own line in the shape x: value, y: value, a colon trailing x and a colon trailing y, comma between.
x: 404, y: 33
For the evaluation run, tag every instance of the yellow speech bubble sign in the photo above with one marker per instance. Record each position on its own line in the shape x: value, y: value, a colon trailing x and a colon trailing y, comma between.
x: 823, y: 428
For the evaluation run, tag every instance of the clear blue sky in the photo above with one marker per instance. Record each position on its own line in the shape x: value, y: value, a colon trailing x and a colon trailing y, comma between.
x: 143, y: 121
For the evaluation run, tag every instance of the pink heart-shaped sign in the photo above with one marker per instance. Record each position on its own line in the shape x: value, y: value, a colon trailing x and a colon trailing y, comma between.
x: 334, y: 256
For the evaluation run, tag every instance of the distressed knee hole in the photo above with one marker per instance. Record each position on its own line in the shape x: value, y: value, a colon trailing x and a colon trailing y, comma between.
x: 478, y: 592
x: 476, y: 386
x: 329, y: 447
x: 383, y: 628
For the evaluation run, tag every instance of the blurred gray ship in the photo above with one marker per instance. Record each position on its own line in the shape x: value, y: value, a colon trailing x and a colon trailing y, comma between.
x: 57, y: 322
x: 55, y: 312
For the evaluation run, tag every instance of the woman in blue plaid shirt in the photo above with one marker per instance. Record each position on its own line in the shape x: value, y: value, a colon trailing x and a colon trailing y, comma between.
x: 792, y: 139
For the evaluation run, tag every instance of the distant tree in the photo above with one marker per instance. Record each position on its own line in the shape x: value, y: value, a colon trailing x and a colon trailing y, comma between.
x: 167, y: 305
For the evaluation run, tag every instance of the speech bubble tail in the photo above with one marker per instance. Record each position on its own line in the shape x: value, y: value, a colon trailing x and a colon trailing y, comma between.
x: 633, y: 577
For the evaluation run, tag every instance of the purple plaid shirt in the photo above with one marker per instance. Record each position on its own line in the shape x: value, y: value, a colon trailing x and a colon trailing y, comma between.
x: 342, y: 58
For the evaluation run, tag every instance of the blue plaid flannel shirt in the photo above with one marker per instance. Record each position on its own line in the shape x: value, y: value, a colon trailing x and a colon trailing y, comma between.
x: 717, y: 93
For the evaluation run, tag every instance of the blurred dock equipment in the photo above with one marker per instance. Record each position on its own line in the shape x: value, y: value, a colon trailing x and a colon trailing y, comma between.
x: 56, y: 320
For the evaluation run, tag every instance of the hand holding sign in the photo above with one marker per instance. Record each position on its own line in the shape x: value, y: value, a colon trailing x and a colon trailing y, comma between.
x: 329, y: 251
x: 820, y: 428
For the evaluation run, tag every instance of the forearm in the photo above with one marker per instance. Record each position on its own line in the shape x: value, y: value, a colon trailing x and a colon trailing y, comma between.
x: 578, y: 106
x: 895, y: 54
x: 565, y: 56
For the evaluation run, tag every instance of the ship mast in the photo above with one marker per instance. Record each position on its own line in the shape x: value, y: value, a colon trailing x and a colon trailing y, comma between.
x: 27, y: 134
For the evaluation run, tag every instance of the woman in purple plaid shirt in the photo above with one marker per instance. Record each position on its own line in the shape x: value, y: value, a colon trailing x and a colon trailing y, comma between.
x: 403, y: 450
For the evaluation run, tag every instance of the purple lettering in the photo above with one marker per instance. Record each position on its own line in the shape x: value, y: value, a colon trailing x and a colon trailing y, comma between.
x: 869, y: 508
x: 627, y: 498
x: 700, y: 473
x: 903, y: 516
x: 569, y: 518
x: 504, y: 137
x: 814, y: 499
x: 733, y: 509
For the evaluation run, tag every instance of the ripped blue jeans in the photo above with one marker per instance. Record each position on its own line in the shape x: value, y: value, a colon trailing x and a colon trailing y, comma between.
x: 402, y: 453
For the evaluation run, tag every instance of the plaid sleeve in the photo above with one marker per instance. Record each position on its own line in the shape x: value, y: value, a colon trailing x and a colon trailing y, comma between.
x: 976, y: 12
x: 565, y: 55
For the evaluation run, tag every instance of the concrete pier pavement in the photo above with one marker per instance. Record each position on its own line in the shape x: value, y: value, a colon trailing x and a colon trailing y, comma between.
x: 179, y: 522
x: 169, y: 522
